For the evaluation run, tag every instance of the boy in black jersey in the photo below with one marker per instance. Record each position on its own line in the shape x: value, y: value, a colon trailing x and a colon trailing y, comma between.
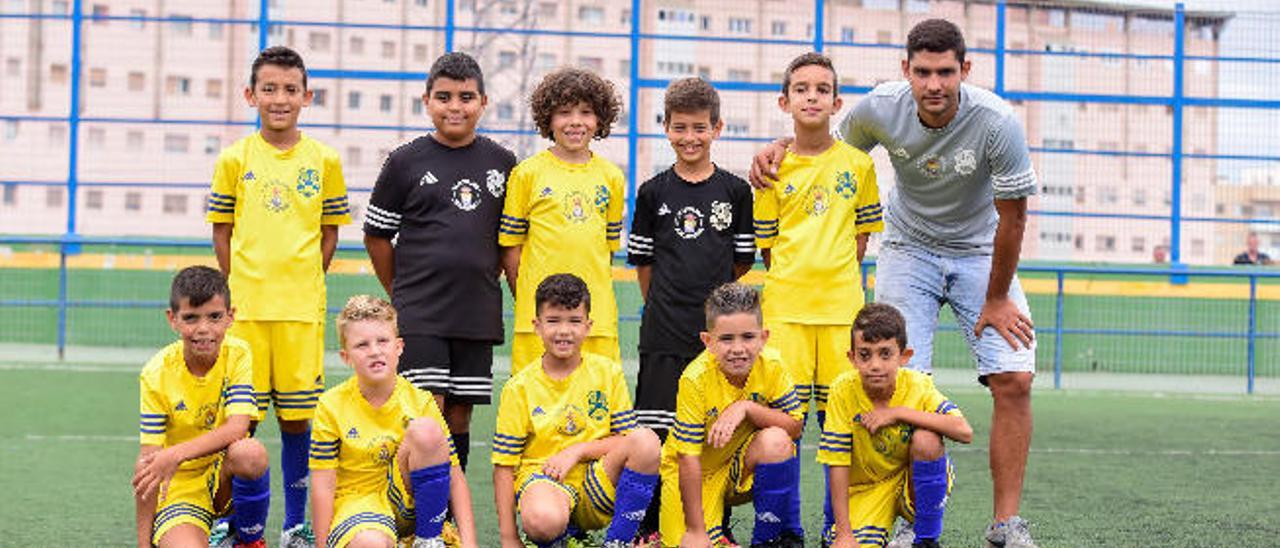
x: 439, y: 197
x: 691, y: 232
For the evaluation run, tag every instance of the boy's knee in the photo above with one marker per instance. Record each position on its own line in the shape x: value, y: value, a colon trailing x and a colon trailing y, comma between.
x: 774, y: 445
x: 644, y: 450
x: 543, y: 522
x: 247, y: 458
x: 425, y: 435
x: 926, y: 445
x: 371, y: 539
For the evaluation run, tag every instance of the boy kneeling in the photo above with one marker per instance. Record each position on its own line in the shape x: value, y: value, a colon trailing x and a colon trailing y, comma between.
x: 737, y: 416
x: 882, y: 439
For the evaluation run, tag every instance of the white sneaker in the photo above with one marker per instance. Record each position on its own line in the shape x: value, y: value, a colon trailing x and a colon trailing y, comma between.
x: 435, y: 542
x: 904, y: 535
x: 220, y: 536
x: 1014, y: 532
x: 298, y: 536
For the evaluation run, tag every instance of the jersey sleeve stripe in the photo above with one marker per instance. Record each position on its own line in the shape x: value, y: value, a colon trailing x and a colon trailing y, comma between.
x: 223, y: 196
x: 336, y: 199
x: 945, y: 407
x: 695, y: 440
x: 518, y: 221
x: 385, y: 213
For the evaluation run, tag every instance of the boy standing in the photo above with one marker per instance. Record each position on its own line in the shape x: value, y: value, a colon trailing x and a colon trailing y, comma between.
x: 566, y: 451
x: 883, y: 439
x: 691, y: 232
x: 382, y: 464
x: 196, y: 464
x: 439, y: 197
x: 737, y: 415
x: 563, y: 211
x: 278, y: 197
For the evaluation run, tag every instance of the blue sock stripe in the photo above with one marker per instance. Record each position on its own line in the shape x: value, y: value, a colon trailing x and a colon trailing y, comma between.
x: 430, y: 487
x: 929, y: 480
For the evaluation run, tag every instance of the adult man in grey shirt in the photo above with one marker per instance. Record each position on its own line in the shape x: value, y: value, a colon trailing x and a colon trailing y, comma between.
x: 956, y: 150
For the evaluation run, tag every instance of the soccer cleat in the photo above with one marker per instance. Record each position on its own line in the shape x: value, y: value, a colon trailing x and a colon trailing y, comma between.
x: 904, y: 536
x: 298, y: 536
x: 260, y: 543
x: 1014, y: 532
x: 926, y: 543
x: 220, y: 536
x: 787, y: 539
x: 436, y: 542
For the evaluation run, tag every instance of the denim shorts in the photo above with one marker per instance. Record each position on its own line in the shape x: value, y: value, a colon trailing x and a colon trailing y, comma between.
x: 918, y: 282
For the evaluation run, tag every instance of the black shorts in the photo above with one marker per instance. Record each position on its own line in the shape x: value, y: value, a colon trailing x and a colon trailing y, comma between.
x: 656, y: 386
x: 459, y: 369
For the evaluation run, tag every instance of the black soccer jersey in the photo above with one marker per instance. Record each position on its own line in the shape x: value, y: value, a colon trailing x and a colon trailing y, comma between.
x: 692, y: 234
x: 441, y: 206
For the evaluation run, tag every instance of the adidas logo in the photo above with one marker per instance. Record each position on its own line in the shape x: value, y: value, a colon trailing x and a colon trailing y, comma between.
x: 768, y: 517
x: 250, y: 531
x: 546, y: 191
x: 440, y: 517
x: 538, y: 411
x: 182, y: 406
x: 248, y: 176
x: 637, y: 515
x: 300, y: 484
x: 428, y: 178
x: 664, y: 210
x: 353, y: 433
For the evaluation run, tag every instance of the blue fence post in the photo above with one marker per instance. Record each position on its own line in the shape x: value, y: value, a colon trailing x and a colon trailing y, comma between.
x: 450, y: 23
x: 1175, y: 196
x: 264, y: 23
x: 819, y: 24
x: 68, y: 245
x: 1253, y: 329
x: 1058, y: 315
x: 633, y: 107
x: 1000, y: 48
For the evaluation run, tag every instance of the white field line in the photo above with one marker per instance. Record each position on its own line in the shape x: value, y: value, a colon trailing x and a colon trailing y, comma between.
x: 97, y: 438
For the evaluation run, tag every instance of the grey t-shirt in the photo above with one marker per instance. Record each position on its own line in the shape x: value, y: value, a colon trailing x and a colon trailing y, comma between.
x: 946, y: 177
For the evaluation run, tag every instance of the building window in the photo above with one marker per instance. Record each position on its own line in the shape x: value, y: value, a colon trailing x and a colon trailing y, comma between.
x: 704, y: 22
x: 778, y: 28
x: 100, y: 12
x: 506, y: 111
x: 53, y: 197
x: 212, y: 144
x: 353, y: 156
x: 846, y: 34
x: 318, y: 41
x: 1197, y: 246
x: 10, y: 129
x: 740, y: 75
x: 592, y: 15
x: 93, y: 199
x: 595, y: 64
x: 420, y: 53
x: 739, y: 25
x: 388, y: 49
x: 133, y: 201
x: 175, y: 204
x: 177, y: 142
x: 97, y: 137
x: 506, y: 59
x: 1107, y: 195
x: 10, y: 194
x: 97, y: 77
x: 12, y: 66
x: 547, y: 9
x: 357, y: 45
x: 57, y: 135
x: 181, y: 24
x: 1138, y: 244
x: 319, y: 97
x: 884, y: 37
x: 1105, y: 243
x: 134, y: 139
x: 216, y: 30
x: 1139, y: 196
x: 384, y: 103
x: 58, y: 73
x: 178, y: 85
x: 624, y: 67
x: 138, y: 15
x: 213, y: 88
x: 353, y: 100
x: 137, y: 81
x: 546, y: 61
x: 415, y: 105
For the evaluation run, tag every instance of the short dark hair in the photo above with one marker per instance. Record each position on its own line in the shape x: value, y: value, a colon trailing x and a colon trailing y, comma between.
x: 879, y: 322
x: 732, y: 298
x: 690, y: 95
x: 279, y: 56
x: 936, y: 36
x: 563, y: 290
x: 570, y: 86
x: 811, y: 58
x: 198, y: 285
x: 456, y: 66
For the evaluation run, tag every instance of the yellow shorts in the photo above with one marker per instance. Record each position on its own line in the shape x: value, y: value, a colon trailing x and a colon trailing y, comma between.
x: 874, y: 506
x: 596, y: 511
x: 814, y: 355
x: 724, y: 484
x: 288, y: 365
x: 390, y: 511
x: 526, y: 348
x: 190, y: 500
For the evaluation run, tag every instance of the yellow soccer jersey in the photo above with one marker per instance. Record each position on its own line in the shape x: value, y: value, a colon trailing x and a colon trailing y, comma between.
x: 359, y: 441
x: 177, y: 406
x: 810, y: 220
x: 875, y: 458
x: 568, y: 217
x: 278, y: 199
x: 539, y: 416
x: 704, y: 392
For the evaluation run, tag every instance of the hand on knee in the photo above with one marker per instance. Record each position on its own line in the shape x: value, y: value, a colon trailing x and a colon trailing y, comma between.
x: 926, y: 445
x: 371, y: 539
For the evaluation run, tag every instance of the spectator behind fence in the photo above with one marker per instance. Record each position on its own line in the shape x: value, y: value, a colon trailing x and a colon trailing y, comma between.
x: 1251, y: 255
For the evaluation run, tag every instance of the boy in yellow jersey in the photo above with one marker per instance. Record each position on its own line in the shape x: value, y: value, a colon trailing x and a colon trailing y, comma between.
x: 812, y: 230
x: 567, y: 455
x: 278, y: 197
x: 196, y: 463
x: 737, y: 415
x: 563, y: 211
x: 383, y: 466
x: 882, y: 440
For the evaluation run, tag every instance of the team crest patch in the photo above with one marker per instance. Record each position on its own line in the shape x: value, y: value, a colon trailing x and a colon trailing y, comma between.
x: 688, y: 223
x: 384, y: 452
x: 496, y: 182
x: 846, y: 185
x: 466, y: 195
x: 428, y: 178
x: 966, y: 161
x: 721, y: 215
x: 208, y: 416
x: 570, y: 421
x: 275, y: 196
x: 817, y: 201
x: 932, y: 166
x: 602, y: 199
x: 575, y: 207
x: 597, y: 405
x: 308, y: 182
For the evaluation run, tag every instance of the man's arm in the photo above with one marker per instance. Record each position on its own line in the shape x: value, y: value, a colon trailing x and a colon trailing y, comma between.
x: 222, y: 246
x: 324, y: 484
x: 328, y: 244
x: 145, y: 503
x: 511, y: 266
x: 999, y: 311
x: 383, y: 257
x: 644, y: 273
x: 504, y: 498
x: 156, y: 469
